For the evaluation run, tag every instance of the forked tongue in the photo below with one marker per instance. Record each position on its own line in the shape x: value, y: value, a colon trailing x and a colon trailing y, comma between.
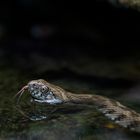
x: 21, y: 92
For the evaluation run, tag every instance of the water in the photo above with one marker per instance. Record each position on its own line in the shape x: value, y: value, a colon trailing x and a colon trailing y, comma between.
x: 28, y: 120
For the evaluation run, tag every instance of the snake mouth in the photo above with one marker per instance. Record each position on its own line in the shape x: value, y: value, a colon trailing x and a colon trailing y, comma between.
x: 36, y: 98
x: 45, y: 97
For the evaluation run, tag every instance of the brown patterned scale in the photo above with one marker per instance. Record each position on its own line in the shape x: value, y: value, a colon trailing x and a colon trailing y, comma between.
x: 44, y: 92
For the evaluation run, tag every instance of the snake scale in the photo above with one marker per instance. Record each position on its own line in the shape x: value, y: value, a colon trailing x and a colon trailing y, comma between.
x: 44, y: 92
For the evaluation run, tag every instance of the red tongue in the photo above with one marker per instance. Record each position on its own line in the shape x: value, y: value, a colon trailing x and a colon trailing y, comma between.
x: 22, y: 90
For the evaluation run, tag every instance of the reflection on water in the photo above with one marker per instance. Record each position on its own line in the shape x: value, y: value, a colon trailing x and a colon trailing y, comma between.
x: 65, y: 122
x: 37, y: 117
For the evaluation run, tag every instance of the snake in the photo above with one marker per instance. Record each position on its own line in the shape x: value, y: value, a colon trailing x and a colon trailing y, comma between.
x: 42, y: 91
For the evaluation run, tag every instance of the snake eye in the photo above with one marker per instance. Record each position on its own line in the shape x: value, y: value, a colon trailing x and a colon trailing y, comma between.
x: 43, y: 89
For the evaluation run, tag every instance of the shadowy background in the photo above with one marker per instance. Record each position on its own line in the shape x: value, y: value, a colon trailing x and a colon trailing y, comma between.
x: 96, y: 39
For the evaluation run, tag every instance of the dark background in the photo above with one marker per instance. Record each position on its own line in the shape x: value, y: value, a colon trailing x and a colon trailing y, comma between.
x: 96, y: 39
x: 97, y: 28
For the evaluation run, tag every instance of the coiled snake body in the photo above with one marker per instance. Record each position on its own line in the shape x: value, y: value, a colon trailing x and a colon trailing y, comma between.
x: 44, y: 92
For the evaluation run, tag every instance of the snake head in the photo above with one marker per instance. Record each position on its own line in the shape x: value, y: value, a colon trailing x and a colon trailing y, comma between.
x: 41, y: 91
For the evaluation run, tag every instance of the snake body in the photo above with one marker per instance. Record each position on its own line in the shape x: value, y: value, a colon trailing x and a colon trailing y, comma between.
x: 44, y: 92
